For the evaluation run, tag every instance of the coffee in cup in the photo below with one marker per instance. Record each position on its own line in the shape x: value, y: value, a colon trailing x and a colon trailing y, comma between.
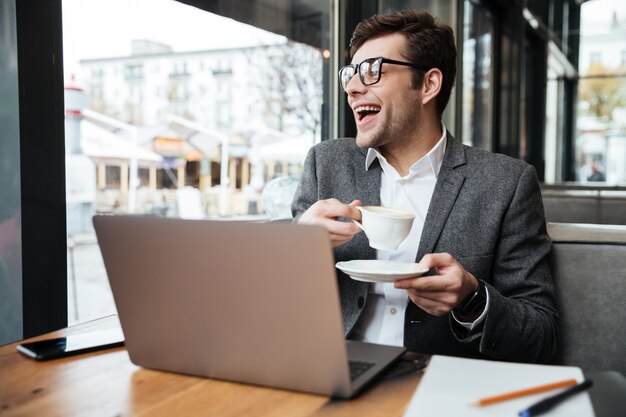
x: 384, y: 227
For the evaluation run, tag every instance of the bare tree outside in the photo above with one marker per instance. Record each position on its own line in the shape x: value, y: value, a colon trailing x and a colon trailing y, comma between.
x: 288, y: 83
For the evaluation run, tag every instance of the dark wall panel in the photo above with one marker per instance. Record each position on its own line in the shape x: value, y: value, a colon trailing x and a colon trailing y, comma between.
x: 39, y: 38
x: 10, y: 199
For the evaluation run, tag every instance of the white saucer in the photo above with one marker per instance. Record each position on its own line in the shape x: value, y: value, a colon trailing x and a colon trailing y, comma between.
x: 373, y: 270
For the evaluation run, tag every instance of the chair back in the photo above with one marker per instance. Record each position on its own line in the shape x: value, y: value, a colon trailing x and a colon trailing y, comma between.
x: 588, y: 263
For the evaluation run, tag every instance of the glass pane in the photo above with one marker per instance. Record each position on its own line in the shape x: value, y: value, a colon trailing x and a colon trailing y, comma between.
x: 477, y: 76
x: 553, y: 119
x: 601, y: 124
x: 185, y: 113
x: 10, y: 192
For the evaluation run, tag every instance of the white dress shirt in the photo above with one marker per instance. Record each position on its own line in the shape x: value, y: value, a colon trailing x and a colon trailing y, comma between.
x: 382, y: 320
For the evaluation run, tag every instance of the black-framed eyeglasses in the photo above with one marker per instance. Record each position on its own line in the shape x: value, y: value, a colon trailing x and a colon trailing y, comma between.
x: 369, y: 70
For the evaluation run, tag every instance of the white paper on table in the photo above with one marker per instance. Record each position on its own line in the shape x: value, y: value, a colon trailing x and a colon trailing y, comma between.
x: 450, y: 386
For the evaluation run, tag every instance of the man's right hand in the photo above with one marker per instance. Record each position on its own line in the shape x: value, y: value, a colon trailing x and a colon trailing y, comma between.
x: 326, y: 212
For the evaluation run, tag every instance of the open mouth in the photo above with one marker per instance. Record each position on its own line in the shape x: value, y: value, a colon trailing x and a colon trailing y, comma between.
x: 364, y: 113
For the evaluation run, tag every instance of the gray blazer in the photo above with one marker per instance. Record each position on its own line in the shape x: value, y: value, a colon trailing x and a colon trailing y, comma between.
x: 487, y: 212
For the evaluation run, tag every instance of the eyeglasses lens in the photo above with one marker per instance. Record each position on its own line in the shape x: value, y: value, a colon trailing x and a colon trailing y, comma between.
x: 346, y: 75
x: 369, y: 71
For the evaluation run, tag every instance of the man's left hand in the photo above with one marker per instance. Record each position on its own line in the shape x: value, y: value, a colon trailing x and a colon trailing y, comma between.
x: 448, y: 289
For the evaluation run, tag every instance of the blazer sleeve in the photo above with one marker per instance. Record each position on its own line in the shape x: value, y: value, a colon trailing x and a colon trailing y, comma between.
x: 307, y: 191
x: 520, y: 323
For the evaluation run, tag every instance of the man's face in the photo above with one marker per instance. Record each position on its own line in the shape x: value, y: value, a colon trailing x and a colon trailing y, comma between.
x: 388, y: 111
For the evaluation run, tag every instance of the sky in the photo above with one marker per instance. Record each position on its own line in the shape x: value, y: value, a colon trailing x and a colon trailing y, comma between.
x: 599, y: 12
x: 104, y: 28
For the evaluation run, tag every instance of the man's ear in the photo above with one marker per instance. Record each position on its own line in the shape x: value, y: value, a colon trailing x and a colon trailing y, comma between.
x: 431, y: 85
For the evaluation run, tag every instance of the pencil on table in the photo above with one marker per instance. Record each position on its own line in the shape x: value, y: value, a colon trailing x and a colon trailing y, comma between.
x: 523, y: 392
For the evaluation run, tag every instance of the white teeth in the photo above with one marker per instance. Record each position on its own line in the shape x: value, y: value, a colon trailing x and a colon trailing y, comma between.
x: 367, y: 108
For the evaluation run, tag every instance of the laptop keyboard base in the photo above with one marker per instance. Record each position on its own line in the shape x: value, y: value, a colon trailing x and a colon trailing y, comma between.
x: 358, y: 368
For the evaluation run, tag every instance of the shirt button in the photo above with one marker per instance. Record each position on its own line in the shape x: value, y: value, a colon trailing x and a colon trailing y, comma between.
x: 393, y: 310
x: 402, y: 182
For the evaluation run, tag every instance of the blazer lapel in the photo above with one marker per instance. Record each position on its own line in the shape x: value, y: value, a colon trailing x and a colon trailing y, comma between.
x: 449, y: 183
x: 367, y: 182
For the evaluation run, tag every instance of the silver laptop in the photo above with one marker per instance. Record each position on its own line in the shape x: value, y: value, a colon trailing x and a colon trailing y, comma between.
x: 250, y: 302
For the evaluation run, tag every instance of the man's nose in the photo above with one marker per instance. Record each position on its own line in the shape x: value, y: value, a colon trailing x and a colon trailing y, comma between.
x: 355, y: 86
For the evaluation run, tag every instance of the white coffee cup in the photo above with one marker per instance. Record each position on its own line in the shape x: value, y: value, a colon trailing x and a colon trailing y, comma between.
x: 384, y: 227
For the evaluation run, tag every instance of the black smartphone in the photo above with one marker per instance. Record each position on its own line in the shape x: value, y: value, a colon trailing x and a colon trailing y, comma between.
x: 72, y: 345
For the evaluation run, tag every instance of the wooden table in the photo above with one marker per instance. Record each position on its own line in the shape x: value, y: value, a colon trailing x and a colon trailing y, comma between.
x: 107, y: 384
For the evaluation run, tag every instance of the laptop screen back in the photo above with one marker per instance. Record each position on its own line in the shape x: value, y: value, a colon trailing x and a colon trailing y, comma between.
x: 241, y: 301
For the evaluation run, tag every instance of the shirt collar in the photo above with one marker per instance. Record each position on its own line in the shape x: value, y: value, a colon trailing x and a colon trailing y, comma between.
x: 432, y: 160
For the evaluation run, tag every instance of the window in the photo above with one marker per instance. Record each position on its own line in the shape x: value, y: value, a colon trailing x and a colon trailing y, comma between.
x: 113, y: 177
x: 595, y: 58
x: 477, y: 76
x: 170, y: 102
x: 601, y: 127
x: 133, y: 71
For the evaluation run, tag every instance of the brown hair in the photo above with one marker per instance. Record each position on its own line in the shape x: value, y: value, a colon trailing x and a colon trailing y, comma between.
x: 430, y: 44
